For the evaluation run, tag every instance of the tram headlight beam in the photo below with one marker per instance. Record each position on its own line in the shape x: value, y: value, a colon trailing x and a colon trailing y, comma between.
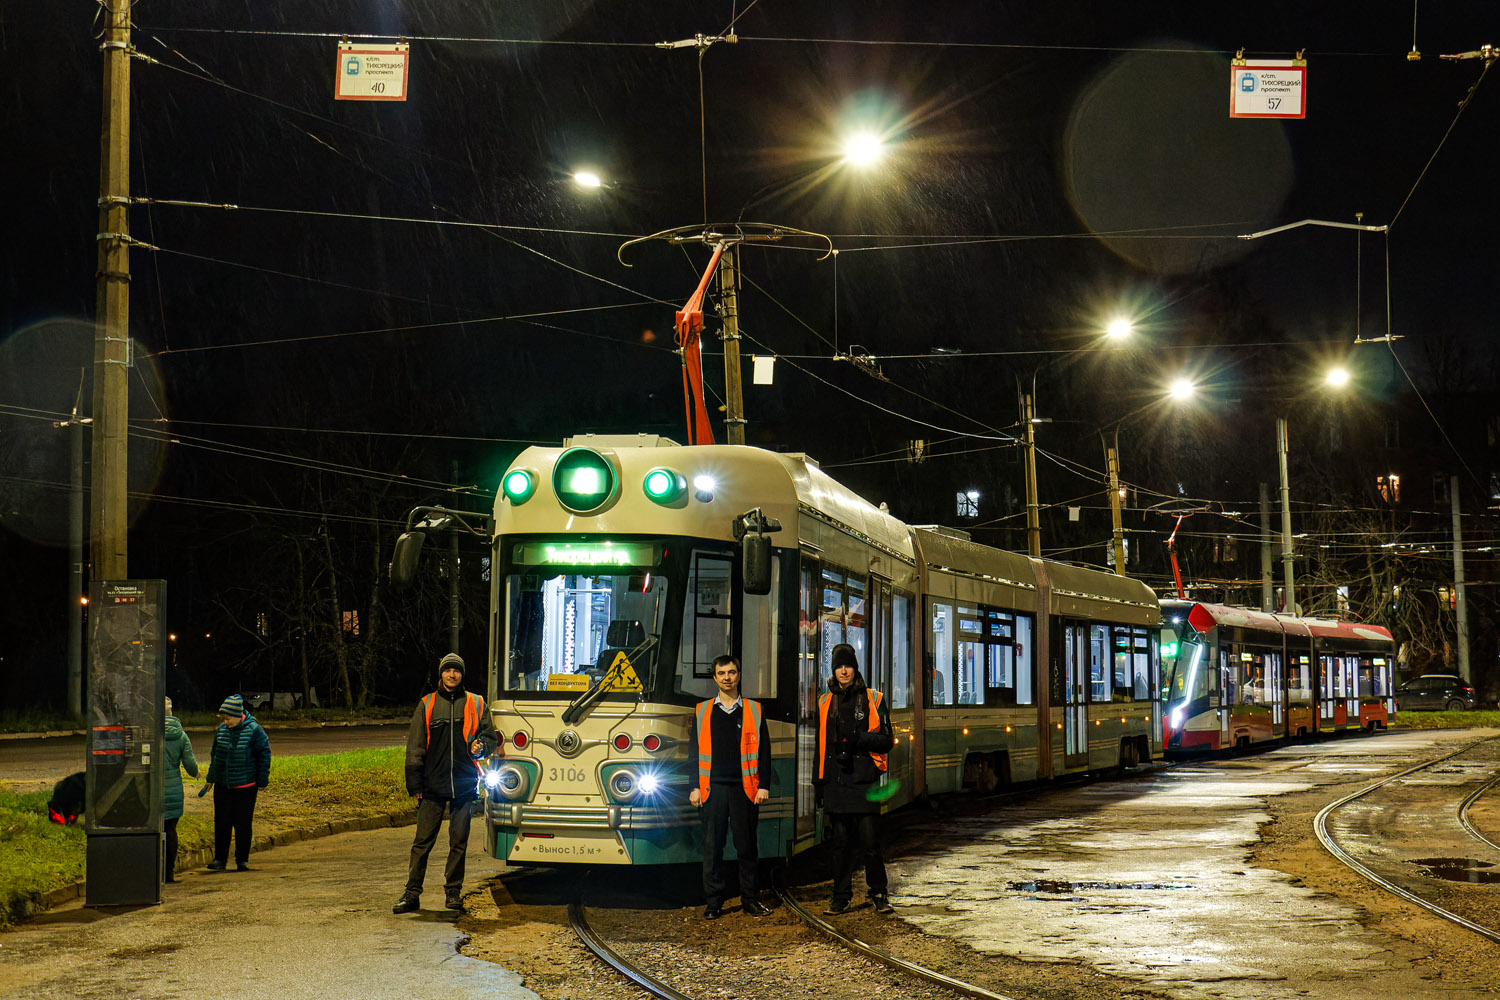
x: 508, y: 781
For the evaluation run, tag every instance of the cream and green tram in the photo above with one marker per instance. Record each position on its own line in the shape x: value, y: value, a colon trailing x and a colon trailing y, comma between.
x: 1034, y: 668
x: 619, y: 572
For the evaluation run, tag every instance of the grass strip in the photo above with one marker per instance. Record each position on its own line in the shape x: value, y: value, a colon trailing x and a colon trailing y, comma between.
x: 306, y: 793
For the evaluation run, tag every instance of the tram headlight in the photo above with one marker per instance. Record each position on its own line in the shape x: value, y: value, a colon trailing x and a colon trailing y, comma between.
x: 703, y: 487
x: 508, y: 782
x: 1175, y: 718
x: 624, y: 785
x: 649, y: 784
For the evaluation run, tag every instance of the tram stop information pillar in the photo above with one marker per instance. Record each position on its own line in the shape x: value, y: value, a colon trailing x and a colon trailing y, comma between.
x: 126, y: 719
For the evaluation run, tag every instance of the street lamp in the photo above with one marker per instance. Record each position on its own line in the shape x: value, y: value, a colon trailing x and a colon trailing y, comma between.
x: 1337, y: 377
x: 587, y: 179
x: 863, y: 149
x: 1182, y: 389
x: 1119, y: 329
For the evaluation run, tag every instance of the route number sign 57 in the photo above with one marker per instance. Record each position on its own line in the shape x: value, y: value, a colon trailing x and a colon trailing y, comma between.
x: 1273, y: 88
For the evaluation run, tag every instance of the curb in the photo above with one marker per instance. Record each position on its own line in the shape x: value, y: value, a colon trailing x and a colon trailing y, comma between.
x: 197, y: 859
x: 404, y: 721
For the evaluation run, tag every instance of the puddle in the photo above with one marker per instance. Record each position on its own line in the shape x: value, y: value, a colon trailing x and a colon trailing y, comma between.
x: 1459, y: 870
x: 1067, y: 888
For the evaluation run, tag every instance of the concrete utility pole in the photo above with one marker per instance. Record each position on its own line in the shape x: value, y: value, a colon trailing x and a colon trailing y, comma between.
x: 1033, y: 508
x: 1112, y: 458
x: 108, y: 517
x: 1267, y: 589
x: 734, y: 393
x: 1460, y: 600
x: 1286, y: 519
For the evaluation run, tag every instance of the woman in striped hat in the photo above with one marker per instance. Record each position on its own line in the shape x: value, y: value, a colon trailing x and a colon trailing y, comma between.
x: 239, y: 768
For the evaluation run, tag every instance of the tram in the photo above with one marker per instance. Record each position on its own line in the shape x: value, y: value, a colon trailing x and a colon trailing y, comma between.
x: 623, y: 565
x: 1233, y: 677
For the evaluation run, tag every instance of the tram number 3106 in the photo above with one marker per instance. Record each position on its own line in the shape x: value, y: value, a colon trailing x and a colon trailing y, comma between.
x: 567, y: 774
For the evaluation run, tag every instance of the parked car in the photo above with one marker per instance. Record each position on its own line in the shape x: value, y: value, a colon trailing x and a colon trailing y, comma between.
x: 1435, y: 691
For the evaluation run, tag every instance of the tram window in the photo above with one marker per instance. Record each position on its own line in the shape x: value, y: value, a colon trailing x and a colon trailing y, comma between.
x: 1122, y: 687
x: 970, y: 673
x: 1099, y: 663
x: 759, y: 638
x: 856, y: 622
x: 705, y: 622
x: 942, y: 653
x: 1299, y: 681
x: 901, y: 677
x: 560, y: 626
x: 1025, y: 664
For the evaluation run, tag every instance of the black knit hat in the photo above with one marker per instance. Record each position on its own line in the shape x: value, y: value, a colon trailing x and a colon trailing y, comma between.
x: 451, y: 660
x: 844, y: 656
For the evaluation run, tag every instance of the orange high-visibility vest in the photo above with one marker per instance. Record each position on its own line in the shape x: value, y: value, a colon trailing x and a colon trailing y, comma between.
x: 749, y: 746
x: 823, y: 703
x: 473, y: 705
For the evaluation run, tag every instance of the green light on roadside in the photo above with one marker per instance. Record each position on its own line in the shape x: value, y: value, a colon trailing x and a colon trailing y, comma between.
x: 519, y: 485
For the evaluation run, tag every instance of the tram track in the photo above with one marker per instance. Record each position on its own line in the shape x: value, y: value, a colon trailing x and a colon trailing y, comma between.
x: 1388, y: 879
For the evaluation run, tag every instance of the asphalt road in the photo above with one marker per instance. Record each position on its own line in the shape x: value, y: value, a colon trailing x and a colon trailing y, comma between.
x: 51, y: 758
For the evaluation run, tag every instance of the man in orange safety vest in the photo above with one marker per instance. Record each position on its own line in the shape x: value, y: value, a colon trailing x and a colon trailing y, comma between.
x: 734, y: 772
x: 450, y: 732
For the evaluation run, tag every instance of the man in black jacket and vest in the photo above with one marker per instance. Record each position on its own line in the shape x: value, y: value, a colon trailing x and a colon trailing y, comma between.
x: 450, y: 733
x: 734, y: 775
x: 854, y: 736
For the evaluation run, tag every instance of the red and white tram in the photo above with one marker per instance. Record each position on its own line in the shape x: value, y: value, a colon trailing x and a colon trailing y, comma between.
x: 1232, y: 677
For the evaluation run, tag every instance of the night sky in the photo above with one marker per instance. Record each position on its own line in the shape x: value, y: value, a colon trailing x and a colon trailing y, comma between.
x: 408, y: 293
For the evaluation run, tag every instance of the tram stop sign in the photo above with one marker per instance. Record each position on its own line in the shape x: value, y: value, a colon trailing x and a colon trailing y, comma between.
x: 371, y: 72
x: 1269, y: 88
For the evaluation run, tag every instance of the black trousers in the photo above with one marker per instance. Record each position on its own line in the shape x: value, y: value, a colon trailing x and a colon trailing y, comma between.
x: 233, y: 810
x: 169, y: 855
x: 728, y: 810
x: 429, y: 821
x: 855, y: 840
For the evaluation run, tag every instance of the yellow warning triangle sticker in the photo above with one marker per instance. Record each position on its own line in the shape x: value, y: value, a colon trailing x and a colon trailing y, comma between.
x: 621, y: 676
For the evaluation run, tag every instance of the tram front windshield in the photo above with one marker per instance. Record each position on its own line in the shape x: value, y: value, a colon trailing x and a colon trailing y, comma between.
x: 573, y: 607
x: 1184, y: 666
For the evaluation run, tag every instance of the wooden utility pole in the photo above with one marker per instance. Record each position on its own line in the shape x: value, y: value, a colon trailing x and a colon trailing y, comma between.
x: 1112, y: 459
x: 108, y: 517
x: 1033, y: 508
x: 734, y: 393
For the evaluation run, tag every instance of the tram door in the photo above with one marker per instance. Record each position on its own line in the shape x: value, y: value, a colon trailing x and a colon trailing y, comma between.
x: 1075, y: 695
x: 808, y: 640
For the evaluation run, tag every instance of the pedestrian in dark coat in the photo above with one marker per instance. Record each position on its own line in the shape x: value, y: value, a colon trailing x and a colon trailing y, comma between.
x: 238, y: 768
x: 854, y: 736
x: 177, y: 756
x: 450, y: 734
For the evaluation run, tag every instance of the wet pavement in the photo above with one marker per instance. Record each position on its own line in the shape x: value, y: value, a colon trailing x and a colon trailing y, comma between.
x: 312, y: 920
x: 1152, y: 879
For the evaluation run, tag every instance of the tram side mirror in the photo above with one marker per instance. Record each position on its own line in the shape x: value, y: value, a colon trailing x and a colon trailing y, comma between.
x: 404, y: 559
x: 755, y: 563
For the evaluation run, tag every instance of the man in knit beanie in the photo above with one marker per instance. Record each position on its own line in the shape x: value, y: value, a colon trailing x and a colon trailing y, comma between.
x: 450, y: 734
x: 240, y: 766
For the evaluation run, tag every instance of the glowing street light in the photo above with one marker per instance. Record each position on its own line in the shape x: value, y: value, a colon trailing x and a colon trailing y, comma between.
x: 1183, y: 389
x: 587, y: 179
x: 1337, y: 377
x: 1119, y: 329
x: 863, y: 148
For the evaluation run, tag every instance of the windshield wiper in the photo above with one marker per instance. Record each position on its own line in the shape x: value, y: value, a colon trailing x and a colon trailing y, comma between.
x: 623, y: 662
